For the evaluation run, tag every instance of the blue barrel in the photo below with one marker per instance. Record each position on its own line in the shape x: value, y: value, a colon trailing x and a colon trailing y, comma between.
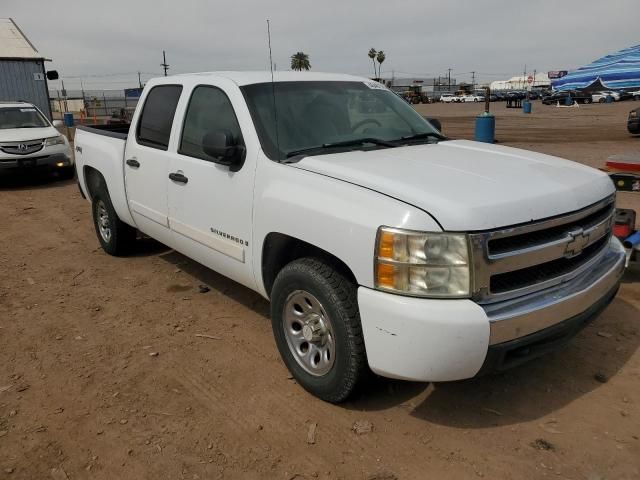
x: 68, y: 119
x: 526, y: 107
x: 568, y: 101
x: 485, y: 128
x: 608, y: 99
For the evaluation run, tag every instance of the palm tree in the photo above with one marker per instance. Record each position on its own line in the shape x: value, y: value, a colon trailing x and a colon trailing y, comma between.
x: 381, y: 56
x: 300, y: 61
x: 372, y: 55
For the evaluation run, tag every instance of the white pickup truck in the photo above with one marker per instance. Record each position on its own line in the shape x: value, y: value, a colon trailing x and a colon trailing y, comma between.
x: 380, y: 243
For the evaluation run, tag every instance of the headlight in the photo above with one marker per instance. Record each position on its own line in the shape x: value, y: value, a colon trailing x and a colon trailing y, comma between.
x: 50, y: 142
x: 422, y: 264
x: 633, y: 114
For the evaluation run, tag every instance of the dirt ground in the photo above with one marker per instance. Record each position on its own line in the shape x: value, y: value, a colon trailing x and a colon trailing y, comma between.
x: 103, y: 374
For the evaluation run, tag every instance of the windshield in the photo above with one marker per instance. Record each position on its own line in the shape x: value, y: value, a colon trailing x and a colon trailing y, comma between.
x: 21, y: 117
x: 316, y: 114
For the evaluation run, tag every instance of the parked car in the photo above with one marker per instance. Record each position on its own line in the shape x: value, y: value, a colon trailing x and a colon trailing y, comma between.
x: 29, y: 141
x: 561, y: 97
x: 633, y: 121
x: 533, y: 95
x: 635, y: 95
x: 471, y: 98
x: 448, y: 98
x: 601, y: 97
x: 380, y: 243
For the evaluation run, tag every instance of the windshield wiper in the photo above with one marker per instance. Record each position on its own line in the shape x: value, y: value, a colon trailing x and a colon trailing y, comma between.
x: 420, y: 136
x: 346, y: 143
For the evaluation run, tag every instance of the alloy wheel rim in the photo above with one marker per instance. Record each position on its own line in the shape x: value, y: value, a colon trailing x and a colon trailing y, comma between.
x: 309, y: 333
x: 104, y: 224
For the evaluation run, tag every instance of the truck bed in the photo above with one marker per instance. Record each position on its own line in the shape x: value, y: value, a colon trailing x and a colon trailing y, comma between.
x: 115, y: 130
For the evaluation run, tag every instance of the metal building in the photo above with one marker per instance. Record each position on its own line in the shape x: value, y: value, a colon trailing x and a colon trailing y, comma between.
x: 22, y: 73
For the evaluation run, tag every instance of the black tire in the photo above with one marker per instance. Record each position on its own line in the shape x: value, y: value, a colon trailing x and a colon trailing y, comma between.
x: 337, y: 296
x: 601, y: 100
x: 122, y: 237
x: 587, y: 101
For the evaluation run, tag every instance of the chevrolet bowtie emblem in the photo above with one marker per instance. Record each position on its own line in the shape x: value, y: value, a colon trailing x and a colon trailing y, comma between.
x: 579, y: 240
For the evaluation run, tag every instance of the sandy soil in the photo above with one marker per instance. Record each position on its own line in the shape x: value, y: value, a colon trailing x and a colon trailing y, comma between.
x: 103, y: 374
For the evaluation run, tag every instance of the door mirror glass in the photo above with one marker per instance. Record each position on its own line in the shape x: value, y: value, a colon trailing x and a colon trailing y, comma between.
x: 223, y: 149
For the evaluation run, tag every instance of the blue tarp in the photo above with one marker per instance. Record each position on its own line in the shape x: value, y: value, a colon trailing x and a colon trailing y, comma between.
x: 620, y: 70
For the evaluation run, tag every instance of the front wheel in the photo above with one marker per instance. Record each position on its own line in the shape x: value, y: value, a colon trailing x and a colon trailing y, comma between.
x: 115, y: 237
x: 316, y: 325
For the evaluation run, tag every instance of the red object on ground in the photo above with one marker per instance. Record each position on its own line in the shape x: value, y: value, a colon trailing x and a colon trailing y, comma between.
x: 624, y: 163
x: 624, y: 222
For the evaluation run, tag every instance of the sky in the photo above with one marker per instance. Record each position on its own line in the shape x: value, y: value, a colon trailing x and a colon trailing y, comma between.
x: 105, y: 43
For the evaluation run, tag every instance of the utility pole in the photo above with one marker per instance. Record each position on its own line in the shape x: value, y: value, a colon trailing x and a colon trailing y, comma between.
x: 449, y: 76
x: 473, y: 80
x: 140, y: 81
x: 534, y: 77
x: 164, y: 63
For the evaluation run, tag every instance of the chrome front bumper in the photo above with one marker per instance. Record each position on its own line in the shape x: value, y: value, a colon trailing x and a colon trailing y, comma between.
x: 528, y: 314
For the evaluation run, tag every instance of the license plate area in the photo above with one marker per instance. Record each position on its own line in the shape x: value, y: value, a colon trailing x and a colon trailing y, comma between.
x: 27, y: 162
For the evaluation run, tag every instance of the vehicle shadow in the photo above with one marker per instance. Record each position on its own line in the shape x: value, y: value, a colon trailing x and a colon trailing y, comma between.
x: 219, y: 283
x: 528, y: 392
x: 33, y: 180
x: 525, y: 393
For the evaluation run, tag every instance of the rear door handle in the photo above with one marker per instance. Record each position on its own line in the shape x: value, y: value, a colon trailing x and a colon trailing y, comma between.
x: 132, y: 162
x: 178, y: 177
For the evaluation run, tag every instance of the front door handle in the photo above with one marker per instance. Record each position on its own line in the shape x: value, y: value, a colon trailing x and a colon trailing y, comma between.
x: 132, y: 162
x: 178, y: 177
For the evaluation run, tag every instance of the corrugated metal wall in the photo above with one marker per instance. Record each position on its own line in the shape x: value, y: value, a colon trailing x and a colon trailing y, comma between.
x: 17, y: 82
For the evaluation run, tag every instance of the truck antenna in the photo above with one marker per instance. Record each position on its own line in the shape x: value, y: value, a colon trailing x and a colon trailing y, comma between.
x: 273, y: 87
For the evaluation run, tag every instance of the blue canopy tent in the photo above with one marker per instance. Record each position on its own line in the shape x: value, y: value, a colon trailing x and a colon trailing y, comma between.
x: 618, y: 71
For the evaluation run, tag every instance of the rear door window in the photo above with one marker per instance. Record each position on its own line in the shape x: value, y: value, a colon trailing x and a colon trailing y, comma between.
x: 154, y: 126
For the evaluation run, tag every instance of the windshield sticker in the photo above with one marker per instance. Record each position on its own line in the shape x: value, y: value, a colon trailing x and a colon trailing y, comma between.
x: 27, y: 109
x: 375, y: 85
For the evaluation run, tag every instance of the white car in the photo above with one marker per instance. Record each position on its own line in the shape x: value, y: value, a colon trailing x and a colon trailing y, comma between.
x: 29, y: 141
x: 471, y: 98
x: 380, y: 243
x: 635, y: 95
x: 448, y: 98
x: 601, y: 97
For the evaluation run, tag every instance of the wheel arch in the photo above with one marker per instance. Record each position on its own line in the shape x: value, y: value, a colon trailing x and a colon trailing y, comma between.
x: 93, y: 180
x: 280, y: 249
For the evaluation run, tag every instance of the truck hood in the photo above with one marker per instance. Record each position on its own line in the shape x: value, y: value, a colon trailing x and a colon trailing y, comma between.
x: 469, y: 186
x: 26, y: 134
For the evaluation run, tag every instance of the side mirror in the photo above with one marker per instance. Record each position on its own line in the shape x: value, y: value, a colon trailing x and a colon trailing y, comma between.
x: 223, y: 149
x: 435, y: 122
x: 58, y: 123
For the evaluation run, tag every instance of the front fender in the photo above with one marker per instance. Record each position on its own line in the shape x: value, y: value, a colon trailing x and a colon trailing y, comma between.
x: 336, y: 216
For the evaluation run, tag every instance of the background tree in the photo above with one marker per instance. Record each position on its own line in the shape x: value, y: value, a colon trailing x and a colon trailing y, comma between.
x: 381, y: 57
x: 372, y: 55
x: 300, y: 61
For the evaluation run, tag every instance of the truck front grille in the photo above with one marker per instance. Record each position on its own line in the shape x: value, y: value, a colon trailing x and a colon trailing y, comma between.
x: 518, y: 260
x: 22, y: 148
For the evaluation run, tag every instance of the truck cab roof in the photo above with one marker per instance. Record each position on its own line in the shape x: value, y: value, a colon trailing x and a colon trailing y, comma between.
x: 252, y: 77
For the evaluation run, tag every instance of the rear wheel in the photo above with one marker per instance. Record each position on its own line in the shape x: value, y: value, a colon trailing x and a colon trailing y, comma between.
x: 115, y: 237
x: 316, y: 325
x: 601, y: 100
x: 587, y: 101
